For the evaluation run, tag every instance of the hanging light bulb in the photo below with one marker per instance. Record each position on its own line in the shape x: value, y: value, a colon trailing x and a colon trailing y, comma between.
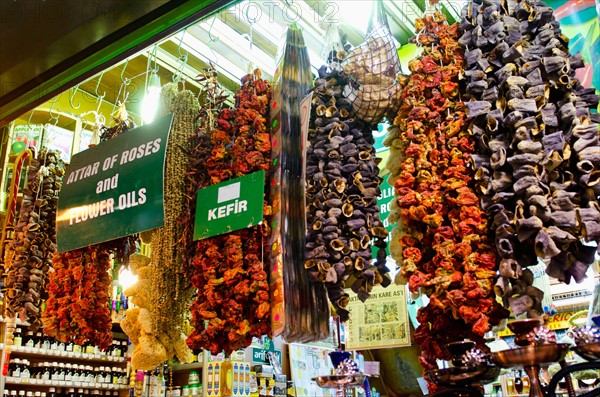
x: 126, y: 278
x: 151, y: 99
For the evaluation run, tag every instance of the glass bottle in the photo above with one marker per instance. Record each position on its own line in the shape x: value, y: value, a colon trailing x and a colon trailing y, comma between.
x: 46, y: 371
x: 38, y: 340
x: 71, y: 392
x: 510, y: 385
x: 45, y: 343
x: 16, y: 372
x: 30, y: 339
x: 525, y: 384
x: 17, y: 337
x: 52, y: 392
x: 25, y: 372
x: 68, y: 373
x: 13, y: 393
x: 518, y: 382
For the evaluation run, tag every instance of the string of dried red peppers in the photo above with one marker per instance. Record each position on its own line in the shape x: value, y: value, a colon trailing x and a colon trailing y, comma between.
x: 446, y: 250
x: 228, y: 270
x: 78, y: 288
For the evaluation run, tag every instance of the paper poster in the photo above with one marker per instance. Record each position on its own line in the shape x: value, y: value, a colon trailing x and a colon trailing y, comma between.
x: 382, y: 321
x: 307, y: 362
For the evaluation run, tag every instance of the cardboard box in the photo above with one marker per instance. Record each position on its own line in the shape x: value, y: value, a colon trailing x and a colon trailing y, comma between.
x: 226, y: 379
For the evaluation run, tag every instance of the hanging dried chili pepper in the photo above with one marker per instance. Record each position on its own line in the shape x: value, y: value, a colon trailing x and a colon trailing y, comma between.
x: 229, y: 270
x: 442, y: 242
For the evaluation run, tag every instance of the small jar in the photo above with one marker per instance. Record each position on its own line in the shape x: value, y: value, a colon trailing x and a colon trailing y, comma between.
x: 194, y: 378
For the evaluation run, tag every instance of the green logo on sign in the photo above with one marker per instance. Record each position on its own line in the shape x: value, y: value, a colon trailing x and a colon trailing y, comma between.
x: 232, y: 205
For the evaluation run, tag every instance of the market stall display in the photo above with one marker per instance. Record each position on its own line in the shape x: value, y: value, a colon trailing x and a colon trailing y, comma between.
x: 341, y: 196
x: 228, y: 271
x: 537, y: 142
x: 442, y: 241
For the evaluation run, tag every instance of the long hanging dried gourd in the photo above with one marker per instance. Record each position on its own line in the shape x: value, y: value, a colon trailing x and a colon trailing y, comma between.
x: 442, y: 243
x: 29, y: 254
x: 342, y: 188
x: 539, y: 144
x: 229, y: 271
x: 304, y: 310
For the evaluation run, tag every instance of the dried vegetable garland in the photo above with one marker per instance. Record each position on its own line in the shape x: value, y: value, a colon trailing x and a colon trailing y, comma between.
x: 78, y: 293
x: 228, y: 270
x: 442, y: 244
x: 538, y: 141
x: 169, y: 296
x: 29, y: 254
x: 341, y: 196
x: 87, y: 316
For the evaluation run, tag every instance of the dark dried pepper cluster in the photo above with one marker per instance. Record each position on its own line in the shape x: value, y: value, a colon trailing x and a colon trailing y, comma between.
x: 78, y: 292
x: 341, y: 195
x: 539, y: 144
x: 228, y: 270
x: 444, y: 246
x: 29, y: 254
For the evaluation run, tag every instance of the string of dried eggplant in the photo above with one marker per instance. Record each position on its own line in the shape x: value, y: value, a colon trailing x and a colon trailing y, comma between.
x: 442, y: 242
x: 341, y: 195
x: 538, y: 141
x: 29, y: 254
x: 228, y: 271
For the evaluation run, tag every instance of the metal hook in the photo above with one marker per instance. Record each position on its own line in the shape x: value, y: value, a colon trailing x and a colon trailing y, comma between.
x: 30, y: 117
x: 98, y: 86
x: 53, y: 117
x: 212, y: 40
x: 124, y: 83
x: 72, y: 97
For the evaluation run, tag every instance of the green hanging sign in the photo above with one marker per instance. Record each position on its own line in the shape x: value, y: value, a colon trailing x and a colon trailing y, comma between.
x: 114, y: 189
x: 232, y: 205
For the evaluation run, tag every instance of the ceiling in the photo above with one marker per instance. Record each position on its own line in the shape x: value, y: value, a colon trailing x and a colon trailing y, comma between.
x: 48, y: 46
x: 241, y: 34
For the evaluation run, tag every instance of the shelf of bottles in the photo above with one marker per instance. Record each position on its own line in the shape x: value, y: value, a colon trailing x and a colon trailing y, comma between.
x: 9, y: 380
x: 65, y: 365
